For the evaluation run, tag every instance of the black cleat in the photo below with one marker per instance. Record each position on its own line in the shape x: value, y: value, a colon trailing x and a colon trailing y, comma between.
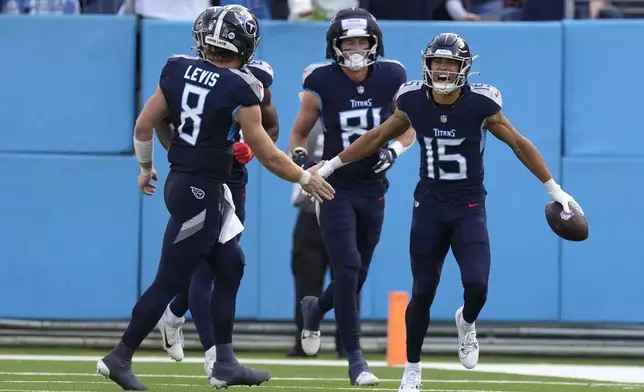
x: 119, y: 371
x: 226, y: 375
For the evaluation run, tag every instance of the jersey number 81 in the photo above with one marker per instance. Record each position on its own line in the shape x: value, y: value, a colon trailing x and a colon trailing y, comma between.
x: 351, y: 132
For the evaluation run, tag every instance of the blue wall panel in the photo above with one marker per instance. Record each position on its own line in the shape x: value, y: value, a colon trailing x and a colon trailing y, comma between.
x: 67, y: 83
x: 74, y: 231
x: 70, y: 229
x: 602, y: 276
x: 603, y: 107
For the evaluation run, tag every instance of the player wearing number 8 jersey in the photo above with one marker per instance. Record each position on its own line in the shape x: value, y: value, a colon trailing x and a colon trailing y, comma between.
x: 351, y: 94
x: 450, y: 117
x: 207, y: 99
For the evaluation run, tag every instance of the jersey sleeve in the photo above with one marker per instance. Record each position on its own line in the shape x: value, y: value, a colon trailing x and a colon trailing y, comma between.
x: 249, y: 91
x: 166, y: 73
x: 262, y: 71
x: 398, y: 72
x: 491, y: 99
x: 313, y: 77
x: 404, y: 97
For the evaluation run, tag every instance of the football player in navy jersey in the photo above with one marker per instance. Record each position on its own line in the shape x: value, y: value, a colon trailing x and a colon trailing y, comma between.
x: 207, y: 99
x: 351, y: 93
x: 196, y: 297
x: 451, y: 117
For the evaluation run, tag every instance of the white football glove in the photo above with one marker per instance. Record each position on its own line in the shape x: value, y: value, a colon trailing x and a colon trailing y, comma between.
x: 557, y: 194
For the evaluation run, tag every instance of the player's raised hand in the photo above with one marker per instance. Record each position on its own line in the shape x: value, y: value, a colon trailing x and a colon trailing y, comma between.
x: 316, y: 186
x: 147, y: 188
x: 557, y: 194
x: 387, y: 158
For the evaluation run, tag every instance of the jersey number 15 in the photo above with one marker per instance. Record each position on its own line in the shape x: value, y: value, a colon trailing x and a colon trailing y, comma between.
x: 442, y: 156
x: 189, y: 130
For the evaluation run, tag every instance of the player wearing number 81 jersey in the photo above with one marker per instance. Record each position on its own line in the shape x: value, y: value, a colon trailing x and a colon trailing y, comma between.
x: 351, y: 94
x: 451, y: 117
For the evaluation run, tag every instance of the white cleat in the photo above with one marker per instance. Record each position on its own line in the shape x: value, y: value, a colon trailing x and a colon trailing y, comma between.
x: 172, y: 336
x: 211, y: 358
x: 411, y: 380
x: 310, y: 342
x: 367, y: 379
x: 468, y: 346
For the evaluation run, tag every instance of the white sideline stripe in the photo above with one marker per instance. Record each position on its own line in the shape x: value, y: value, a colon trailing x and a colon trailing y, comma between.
x: 309, y: 379
x: 606, y: 373
x: 269, y: 387
x: 264, y: 386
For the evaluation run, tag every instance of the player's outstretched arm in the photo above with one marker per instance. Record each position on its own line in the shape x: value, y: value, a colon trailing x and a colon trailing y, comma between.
x: 276, y: 161
x: 369, y: 142
x: 270, y: 121
x: 154, y: 111
x: 528, y: 154
x: 304, y: 122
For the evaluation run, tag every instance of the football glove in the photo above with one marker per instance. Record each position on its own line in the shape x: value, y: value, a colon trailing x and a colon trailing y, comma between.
x: 387, y: 158
x: 557, y: 194
x: 242, y: 152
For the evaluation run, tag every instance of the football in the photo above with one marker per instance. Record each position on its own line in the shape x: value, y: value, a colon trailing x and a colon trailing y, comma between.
x: 571, y: 227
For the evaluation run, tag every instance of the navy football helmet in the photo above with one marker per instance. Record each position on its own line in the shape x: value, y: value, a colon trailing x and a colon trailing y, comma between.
x: 447, y: 46
x: 222, y: 30
x: 354, y: 23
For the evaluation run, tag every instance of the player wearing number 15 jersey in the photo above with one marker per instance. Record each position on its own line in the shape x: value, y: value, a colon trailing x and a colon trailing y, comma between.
x: 451, y: 117
x: 351, y: 94
x: 207, y: 100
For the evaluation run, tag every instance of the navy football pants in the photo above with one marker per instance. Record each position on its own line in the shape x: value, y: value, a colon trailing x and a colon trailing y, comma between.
x: 351, y: 225
x: 190, y: 239
x: 196, y: 296
x: 437, y: 227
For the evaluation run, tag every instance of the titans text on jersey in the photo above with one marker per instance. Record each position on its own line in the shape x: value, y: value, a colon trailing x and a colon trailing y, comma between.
x: 349, y: 109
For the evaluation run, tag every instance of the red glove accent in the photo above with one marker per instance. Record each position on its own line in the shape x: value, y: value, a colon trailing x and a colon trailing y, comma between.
x: 242, y: 152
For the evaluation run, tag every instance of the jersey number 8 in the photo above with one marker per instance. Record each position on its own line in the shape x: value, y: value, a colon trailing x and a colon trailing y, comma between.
x: 442, y: 156
x: 189, y: 132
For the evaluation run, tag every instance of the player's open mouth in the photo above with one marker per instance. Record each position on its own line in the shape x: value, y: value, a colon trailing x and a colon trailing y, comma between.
x: 442, y: 78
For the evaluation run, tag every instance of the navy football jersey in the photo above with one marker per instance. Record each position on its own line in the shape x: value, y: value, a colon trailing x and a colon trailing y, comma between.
x: 264, y: 73
x: 348, y: 110
x: 203, y: 100
x: 452, y: 138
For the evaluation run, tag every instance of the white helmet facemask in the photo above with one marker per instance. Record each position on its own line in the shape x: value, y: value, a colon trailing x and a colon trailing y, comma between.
x: 443, y: 81
x: 356, y: 60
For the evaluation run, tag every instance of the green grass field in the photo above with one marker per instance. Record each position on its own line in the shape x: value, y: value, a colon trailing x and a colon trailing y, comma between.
x: 74, y: 370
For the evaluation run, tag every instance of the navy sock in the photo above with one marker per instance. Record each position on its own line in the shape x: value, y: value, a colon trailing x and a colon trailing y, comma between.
x: 225, y: 353
x: 357, y: 363
x: 124, y: 352
x: 325, y: 301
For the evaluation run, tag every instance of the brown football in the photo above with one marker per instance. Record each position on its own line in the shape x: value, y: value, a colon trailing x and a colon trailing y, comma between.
x: 571, y: 227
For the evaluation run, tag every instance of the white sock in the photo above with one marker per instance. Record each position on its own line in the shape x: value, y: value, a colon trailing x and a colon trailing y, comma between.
x: 212, y: 352
x: 170, y: 317
x: 413, y: 366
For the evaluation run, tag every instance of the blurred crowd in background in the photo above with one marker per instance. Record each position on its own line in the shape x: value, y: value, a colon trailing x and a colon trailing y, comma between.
x: 298, y: 10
